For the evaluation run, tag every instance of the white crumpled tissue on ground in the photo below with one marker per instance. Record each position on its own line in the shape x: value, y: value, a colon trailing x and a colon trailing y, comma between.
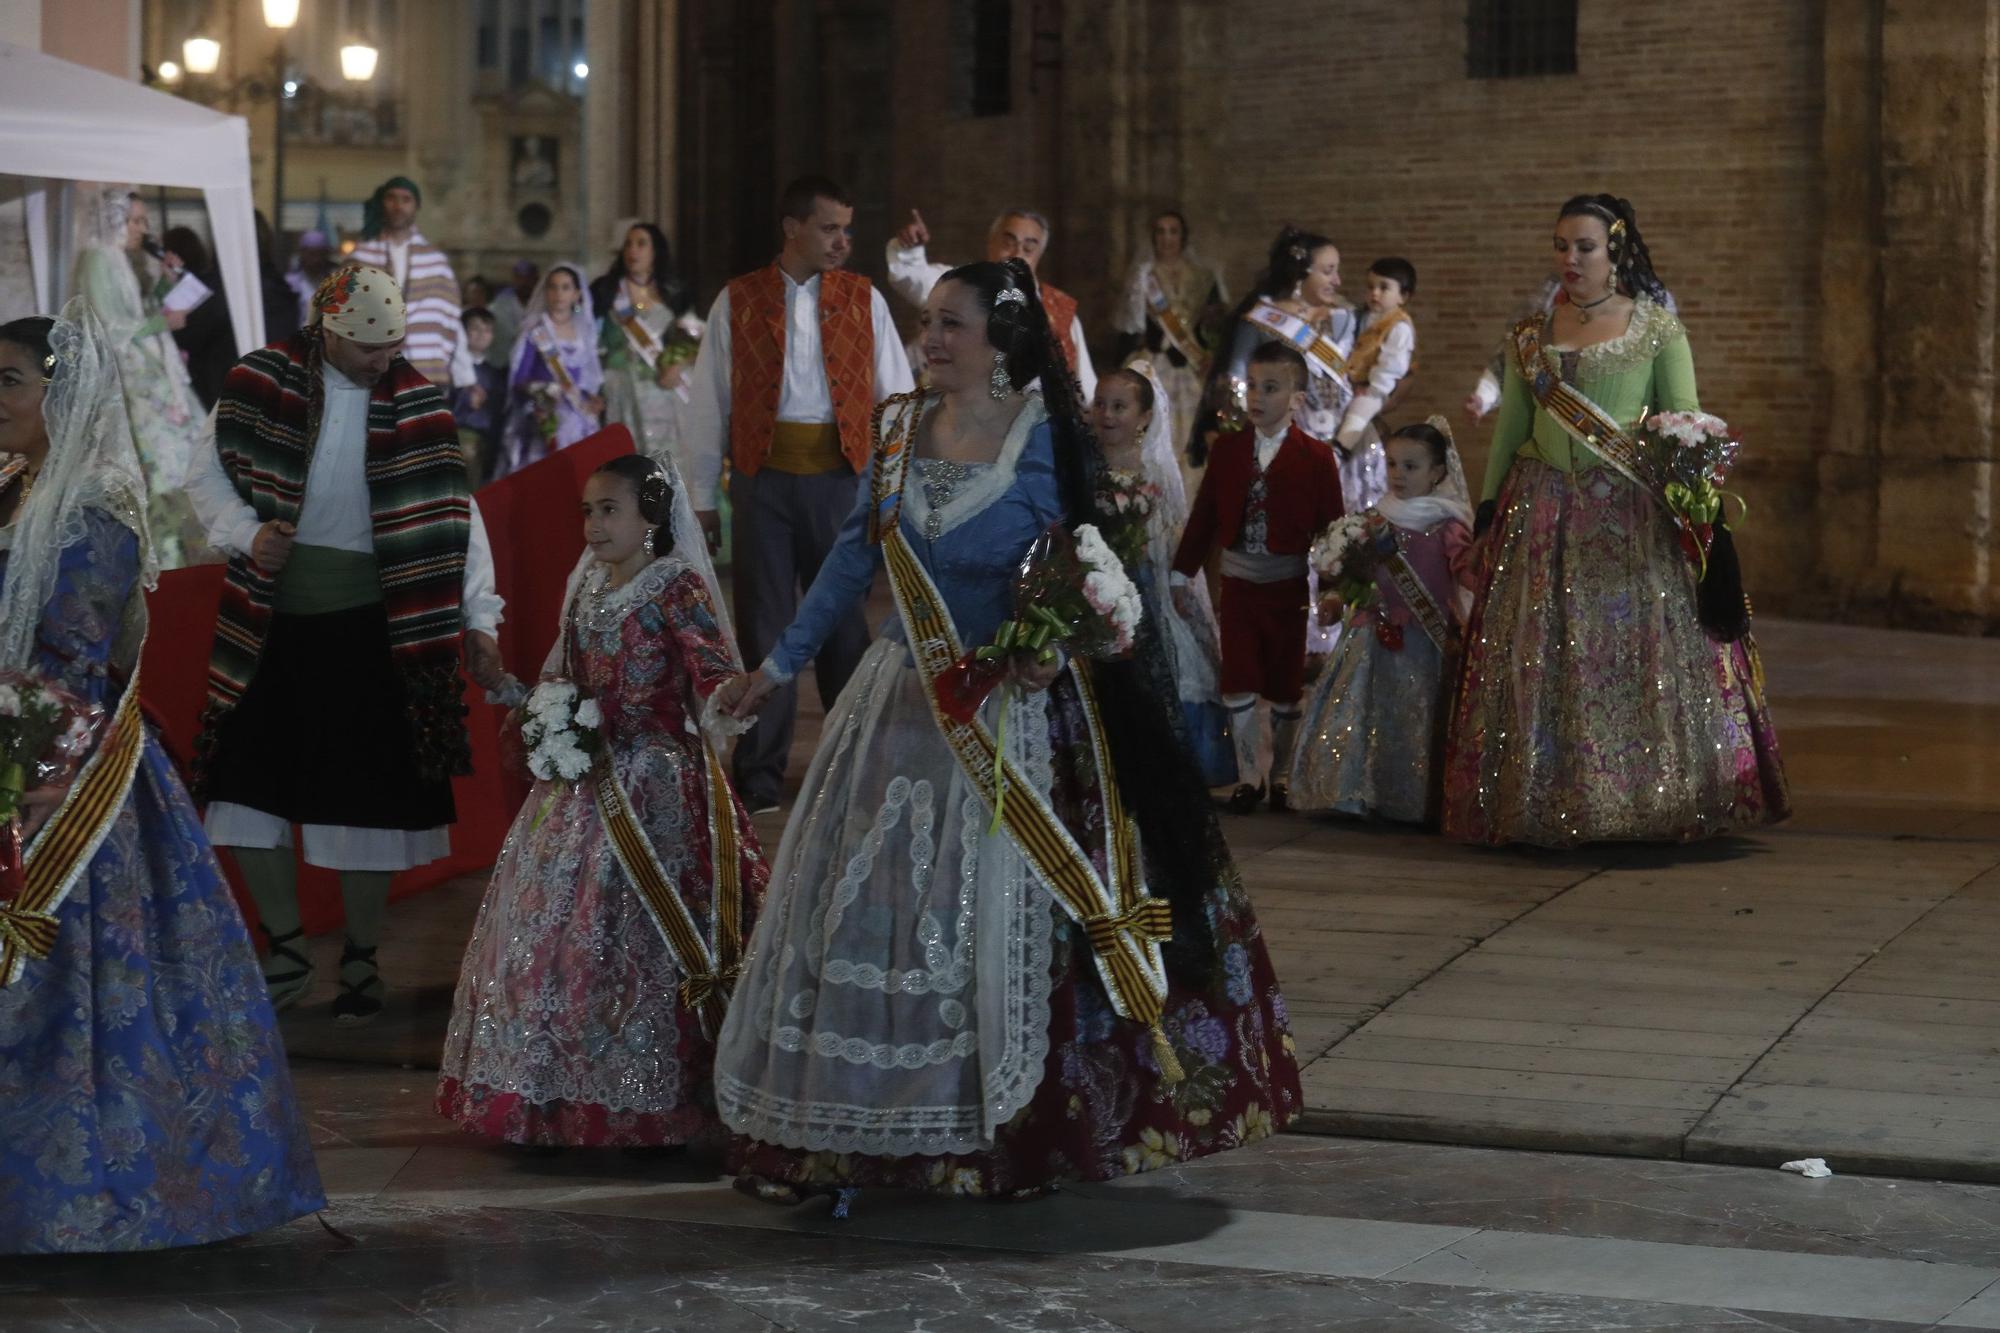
x: 1812, y: 1168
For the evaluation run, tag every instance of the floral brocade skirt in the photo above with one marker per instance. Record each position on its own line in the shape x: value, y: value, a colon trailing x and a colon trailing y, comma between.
x: 1092, y: 1104
x: 1592, y: 705
x: 145, y: 1099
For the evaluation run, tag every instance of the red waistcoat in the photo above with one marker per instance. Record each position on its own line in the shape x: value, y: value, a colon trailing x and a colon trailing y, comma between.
x: 1301, y: 489
x: 757, y: 361
x: 1060, y: 307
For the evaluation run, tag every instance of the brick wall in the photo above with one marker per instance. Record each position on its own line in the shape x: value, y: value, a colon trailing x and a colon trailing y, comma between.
x: 1815, y: 179
x: 1706, y: 113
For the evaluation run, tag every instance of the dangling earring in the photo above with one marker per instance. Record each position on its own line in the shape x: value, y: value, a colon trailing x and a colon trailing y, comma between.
x: 999, y: 384
x: 648, y: 543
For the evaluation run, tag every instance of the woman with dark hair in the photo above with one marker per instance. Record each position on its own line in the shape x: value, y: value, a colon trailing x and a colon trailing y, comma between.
x: 951, y: 996
x: 1172, y: 306
x: 1609, y: 691
x: 208, y: 339
x: 636, y: 300
x: 597, y: 970
x: 148, y: 1103
x: 553, y: 390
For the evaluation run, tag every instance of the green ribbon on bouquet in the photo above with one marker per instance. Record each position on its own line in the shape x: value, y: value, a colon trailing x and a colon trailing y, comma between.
x: 1033, y: 635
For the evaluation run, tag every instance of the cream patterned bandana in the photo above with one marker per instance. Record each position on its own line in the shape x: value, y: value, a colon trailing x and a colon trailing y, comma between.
x: 361, y: 304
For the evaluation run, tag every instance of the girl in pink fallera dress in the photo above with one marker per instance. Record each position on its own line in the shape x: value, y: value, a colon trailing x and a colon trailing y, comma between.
x: 596, y: 975
x: 1370, y: 730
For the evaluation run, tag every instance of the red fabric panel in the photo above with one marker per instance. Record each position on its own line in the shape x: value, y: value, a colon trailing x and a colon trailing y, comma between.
x: 532, y: 521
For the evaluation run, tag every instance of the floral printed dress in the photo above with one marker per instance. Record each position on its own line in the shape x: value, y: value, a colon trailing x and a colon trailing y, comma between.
x: 144, y: 1097
x: 568, y: 1027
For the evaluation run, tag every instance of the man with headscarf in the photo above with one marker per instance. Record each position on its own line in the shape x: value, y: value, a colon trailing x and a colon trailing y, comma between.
x: 359, y: 569
x: 390, y: 241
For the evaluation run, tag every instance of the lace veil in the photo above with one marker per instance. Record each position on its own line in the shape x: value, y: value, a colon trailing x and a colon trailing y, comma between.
x: 1452, y: 499
x: 91, y: 464
x: 585, y: 316
x: 689, y: 546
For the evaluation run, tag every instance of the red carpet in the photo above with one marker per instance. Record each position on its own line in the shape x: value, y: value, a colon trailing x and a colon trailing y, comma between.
x: 537, y: 535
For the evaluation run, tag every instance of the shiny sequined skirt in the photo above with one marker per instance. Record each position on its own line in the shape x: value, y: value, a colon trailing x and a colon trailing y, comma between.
x: 1592, y: 705
x: 1369, y: 732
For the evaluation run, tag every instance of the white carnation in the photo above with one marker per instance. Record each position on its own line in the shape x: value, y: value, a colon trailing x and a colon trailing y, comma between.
x: 10, y: 701
x: 589, y: 715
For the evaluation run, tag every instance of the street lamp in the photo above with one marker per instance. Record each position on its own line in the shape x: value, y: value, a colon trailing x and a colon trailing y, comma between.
x: 203, y: 54
x: 357, y: 61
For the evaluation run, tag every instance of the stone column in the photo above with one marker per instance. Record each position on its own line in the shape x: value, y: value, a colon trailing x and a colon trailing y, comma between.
x: 1909, y: 278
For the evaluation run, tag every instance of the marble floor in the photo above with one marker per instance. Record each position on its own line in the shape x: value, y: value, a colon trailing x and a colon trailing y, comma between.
x: 1297, y: 1233
x: 1676, y: 1021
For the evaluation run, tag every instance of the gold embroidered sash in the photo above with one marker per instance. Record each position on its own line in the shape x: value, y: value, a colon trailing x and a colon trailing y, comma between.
x: 1587, y: 423
x: 1179, y: 336
x: 1319, y: 350
x: 1418, y: 597
x: 709, y: 967
x: 61, y: 851
x: 643, y: 342
x: 545, y: 343
x: 1124, y: 926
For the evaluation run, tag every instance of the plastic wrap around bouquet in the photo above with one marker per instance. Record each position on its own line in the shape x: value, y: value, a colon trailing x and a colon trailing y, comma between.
x: 45, y: 735
x: 1698, y: 451
x: 1071, y: 595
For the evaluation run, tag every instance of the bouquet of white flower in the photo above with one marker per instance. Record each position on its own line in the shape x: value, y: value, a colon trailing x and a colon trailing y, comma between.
x: 560, y: 731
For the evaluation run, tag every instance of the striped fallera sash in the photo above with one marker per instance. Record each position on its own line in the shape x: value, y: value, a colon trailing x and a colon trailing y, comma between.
x: 1422, y: 605
x: 1125, y: 927
x: 1319, y: 350
x: 709, y: 967
x: 1179, y: 336
x: 1587, y: 423
x: 61, y: 852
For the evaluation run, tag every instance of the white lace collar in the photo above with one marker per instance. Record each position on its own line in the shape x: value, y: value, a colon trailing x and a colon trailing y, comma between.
x: 601, y: 609
x: 983, y: 485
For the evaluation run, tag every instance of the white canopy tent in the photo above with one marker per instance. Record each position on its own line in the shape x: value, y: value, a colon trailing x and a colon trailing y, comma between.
x: 61, y: 123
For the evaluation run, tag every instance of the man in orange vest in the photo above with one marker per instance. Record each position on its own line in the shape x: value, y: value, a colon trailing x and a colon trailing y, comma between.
x: 1019, y: 233
x: 796, y: 356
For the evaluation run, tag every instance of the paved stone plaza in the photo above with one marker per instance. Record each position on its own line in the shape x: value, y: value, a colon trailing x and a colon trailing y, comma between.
x: 1826, y: 989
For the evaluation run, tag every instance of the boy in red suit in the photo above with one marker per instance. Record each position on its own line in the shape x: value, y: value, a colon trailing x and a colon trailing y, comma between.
x: 1268, y: 492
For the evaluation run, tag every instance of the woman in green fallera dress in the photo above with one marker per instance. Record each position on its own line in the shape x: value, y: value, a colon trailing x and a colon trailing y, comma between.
x: 1593, y: 702
x: 634, y: 300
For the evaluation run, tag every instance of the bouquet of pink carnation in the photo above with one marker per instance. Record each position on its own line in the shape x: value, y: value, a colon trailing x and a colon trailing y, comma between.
x: 1125, y: 504
x: 1699, y: 450
x: 45, y: 735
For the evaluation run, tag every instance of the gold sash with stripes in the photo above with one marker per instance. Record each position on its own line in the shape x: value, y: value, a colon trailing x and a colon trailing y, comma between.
x: 1320, y: 351
x: 709, y: 967
x: 1422, y: 605
x: 61, y: 851
x: 1587, y: 423
x: 1179, y: 336
x: 1125, y: 926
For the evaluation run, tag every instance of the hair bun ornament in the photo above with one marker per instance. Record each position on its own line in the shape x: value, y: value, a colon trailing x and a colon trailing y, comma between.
x: 1010, y: 296
x: 1437, y: 423
x: 653, y: 492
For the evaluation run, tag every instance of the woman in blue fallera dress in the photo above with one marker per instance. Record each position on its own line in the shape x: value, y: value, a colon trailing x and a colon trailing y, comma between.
x: 944, y: 997
x: 144, y: 1096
